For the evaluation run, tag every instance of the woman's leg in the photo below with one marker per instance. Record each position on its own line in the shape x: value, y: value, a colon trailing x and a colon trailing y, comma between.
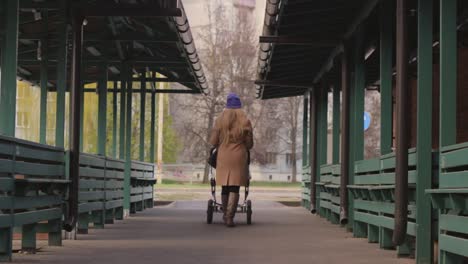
x: 224, y: 201
x: 232, y: 204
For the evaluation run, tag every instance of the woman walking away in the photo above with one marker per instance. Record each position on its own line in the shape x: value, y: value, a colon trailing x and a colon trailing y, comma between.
x: 232, y: 136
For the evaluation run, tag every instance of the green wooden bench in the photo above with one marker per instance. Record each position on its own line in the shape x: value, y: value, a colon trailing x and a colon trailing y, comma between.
x: 329, y: 187
x: 373, y: 192
x: 306, y: 187
x: 32, y: 191
x: 101, y: 191
x: 142, y: 182
x: 451, y: 199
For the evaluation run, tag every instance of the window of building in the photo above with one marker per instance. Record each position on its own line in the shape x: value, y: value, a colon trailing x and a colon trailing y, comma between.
x: 22, y: 120
x: 289, y: 159
x: 271, y: 158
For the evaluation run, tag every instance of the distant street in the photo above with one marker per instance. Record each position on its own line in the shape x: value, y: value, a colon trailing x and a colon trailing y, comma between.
x: 287, y: 194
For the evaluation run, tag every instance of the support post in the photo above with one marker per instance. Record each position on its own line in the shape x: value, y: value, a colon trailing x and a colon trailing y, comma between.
x: 386, y: 75
x: 62, y: 77
x: 448, y: 73
x: 336, y: 123
x: 142, y: 116
x: 114, y: 121
x: 313, y: 149
x: 386, y: 95
x: 9, y: 61
x: 305, y: 131
x: 102, y: 110
x: 123, y: 85
x: 424, y: 246
x: 75, y: 117
x: 345, y: 133
x: 44, y: 81
x: 128, y: 140
x: 322, y: 133
x: 153, y: 125
x: 356, y: 124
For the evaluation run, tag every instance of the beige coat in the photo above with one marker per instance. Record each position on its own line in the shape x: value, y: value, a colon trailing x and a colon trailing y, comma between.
x: 232, y: 166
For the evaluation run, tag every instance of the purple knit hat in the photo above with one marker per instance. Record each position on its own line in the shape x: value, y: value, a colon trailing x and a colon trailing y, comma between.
x: 233, y: 101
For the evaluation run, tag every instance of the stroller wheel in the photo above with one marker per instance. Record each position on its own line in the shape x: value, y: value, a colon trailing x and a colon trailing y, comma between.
x: 209, y: 212
x: 249, y: 212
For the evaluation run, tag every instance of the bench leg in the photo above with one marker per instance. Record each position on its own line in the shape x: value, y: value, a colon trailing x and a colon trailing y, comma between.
x: 139, y: 206
x: 6, y: 243
x: 28, y: 239
x: 83, y: 222
x: 405, y: 249
x: 55, y: 232
x: 449, y: 258
x: 119, y: 213
x: 110, y: 215
x: 98, y: 219
x: 335, y: 218
x: 385, y: 238
x: 132, y: 208
x: 360, y: 229
x: 372, y: 234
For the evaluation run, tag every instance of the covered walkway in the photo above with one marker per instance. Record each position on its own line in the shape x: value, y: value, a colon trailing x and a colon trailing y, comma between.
x: 177, y: 233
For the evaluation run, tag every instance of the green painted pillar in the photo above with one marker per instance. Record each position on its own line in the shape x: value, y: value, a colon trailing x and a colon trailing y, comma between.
x: 336, y: 124
x: 102, y: 110
x: 128, y: 140
x: 82, y: 106
x: 305, y: 131
x: 424, y: 245
x: 44, y: 81
x: 359, y: 93
x: 448, y: 72
x: 9, y: 61
x: 114, y: 120
x: 386, y: 75
x: 142, y: 117
x: 322, y: 131
x: 123, y: 85
x: 153, y: 125
x: 62, y: 52
x: 356, y: 136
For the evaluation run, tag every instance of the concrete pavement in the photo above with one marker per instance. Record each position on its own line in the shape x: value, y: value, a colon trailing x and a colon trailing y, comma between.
x: 177, y: 233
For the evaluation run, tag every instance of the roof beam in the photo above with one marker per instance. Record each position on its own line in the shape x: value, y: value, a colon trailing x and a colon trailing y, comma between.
x: 283, y: 84
x: 29, y: 4
x: 129, y: 37
x: 302, y: 41
x: 172, y: 91
x: 140, y: 10
x: 365, y: 12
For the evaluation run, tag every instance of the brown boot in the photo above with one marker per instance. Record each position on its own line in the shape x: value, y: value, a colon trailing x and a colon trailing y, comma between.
x: 232, y: 208
x: 224, y: 202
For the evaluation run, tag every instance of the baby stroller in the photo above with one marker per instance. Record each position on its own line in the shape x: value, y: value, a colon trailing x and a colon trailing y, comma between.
x: 214, y: 206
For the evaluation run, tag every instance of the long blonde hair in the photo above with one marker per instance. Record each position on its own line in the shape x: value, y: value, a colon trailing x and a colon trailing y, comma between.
x: 233, y: 125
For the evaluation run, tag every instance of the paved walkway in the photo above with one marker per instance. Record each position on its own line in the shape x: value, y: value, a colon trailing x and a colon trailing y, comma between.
x: 177, y: 234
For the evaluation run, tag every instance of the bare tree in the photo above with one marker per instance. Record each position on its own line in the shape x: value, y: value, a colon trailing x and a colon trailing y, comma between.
x: 228, y: 50
x: 290, y: 120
